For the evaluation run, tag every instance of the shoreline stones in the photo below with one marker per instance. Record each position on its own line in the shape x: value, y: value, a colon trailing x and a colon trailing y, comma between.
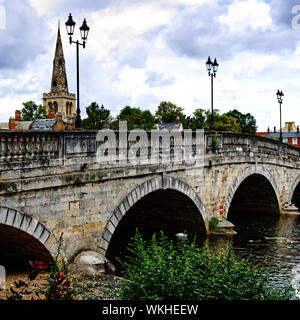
x: 91, y: 263
x: 224, y: 227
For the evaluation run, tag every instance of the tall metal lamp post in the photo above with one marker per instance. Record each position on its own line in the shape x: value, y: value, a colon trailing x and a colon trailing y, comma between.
x: 279, y: 95
x: 84, y: 31
x: 212, y: 68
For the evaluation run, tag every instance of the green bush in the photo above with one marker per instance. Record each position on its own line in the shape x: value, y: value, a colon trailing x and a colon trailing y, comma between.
x: 161, y: 270
x: 213, y: 223
x: 215, y: 143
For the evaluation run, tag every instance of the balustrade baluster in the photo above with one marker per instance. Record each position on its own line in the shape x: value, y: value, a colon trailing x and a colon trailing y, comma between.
x: 4, y: 147
x: 25, y: 147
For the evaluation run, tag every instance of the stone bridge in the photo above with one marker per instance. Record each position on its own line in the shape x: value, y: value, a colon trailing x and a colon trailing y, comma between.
x: 52, y: 183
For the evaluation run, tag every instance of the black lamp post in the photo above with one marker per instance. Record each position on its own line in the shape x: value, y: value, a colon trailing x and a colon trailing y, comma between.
x: 279, y: 95
x: 212, y: 68
x: 84, y: 31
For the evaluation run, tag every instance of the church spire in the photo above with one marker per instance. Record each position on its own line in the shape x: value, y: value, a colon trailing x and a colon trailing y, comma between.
x: 59, y: 82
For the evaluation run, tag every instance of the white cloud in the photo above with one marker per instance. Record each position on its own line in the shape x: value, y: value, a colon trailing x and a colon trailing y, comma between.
x: 45, y: 7
x: 125, y: 27
x: 242, y: 14
x: 142, y: 52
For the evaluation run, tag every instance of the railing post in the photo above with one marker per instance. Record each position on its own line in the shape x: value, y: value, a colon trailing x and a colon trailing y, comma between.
x: 61, y: 145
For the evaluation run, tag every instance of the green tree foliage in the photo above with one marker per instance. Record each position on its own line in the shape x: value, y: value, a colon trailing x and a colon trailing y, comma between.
x: 246, y: 121
x: 197, y: 121
x: 136, y: 119
x: 167, y: 112
x: 161, y: 270
x: 32, y: 111
x: 223, y: 122
x: 98, y: 118
x: 233, y: 121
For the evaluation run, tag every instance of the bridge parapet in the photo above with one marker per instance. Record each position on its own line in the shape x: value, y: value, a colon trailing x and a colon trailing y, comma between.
x: 245, y: 144
x: 26, y: 146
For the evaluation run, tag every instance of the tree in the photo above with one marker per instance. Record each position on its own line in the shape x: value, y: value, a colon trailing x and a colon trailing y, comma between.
x: 98, y: 118
x: 247, y: 121
x: 135, y: 118
x: 32, y: 111
x: 167, y: 112
x: 225, y: 123
x: 197, y: 121
x: 222, y: 122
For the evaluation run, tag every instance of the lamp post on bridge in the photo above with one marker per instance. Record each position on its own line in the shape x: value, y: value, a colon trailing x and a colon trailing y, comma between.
x: 212, y: 68
x: 279, y: 95
x: 84, y: 30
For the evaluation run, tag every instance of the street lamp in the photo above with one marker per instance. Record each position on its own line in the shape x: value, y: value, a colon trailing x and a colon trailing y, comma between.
x: 212, y: 68
x: 279, y: 95
x: 84, y: 31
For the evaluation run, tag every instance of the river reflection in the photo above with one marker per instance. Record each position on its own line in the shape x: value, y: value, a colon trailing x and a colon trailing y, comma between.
x: 273, y: 238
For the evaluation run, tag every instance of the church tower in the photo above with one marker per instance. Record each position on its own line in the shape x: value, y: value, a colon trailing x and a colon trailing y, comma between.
x: 59, y: 101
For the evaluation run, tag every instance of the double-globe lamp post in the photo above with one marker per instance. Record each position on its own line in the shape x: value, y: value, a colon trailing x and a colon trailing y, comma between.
x: 84, y: 30
x: 212, y: 68
x: 279, y: 95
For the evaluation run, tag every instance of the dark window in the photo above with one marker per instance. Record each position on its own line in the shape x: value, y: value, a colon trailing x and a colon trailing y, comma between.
x: 50, y: 106
x: 55, y: 107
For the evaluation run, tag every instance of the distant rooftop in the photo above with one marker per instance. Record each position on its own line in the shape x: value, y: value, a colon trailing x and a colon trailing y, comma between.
x: 20, y: 125
x: 43, y: 124
x: 169, y: 126
x: 284, y: 134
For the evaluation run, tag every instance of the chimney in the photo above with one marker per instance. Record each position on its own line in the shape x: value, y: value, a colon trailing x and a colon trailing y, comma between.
x: 11, y: 124
x: 268, y: 130
x: 17, y: 115
x: 51, y: 115
x: 274, y: 129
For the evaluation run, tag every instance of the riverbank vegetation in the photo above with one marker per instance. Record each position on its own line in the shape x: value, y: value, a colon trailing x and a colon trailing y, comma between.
x: 163, y: 270
x: 159, y: 269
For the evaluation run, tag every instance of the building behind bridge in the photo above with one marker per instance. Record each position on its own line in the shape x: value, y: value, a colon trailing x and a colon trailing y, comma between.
x: 59, y: 103
x: 290, y: 134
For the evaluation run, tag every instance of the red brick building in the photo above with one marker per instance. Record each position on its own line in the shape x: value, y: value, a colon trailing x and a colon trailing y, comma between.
x: 290, y: 134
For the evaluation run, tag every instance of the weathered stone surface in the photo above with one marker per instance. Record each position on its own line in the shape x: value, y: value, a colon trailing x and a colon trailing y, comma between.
x: 89, y: 257
x: 69, y: 192
x: 90, y: 263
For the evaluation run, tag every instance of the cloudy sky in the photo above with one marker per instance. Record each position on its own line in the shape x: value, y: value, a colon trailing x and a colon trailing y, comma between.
x: 142, y: 52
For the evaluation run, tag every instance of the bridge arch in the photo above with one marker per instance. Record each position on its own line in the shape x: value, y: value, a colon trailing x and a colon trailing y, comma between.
x: 25, y: 236
x: 141, y: 191
x: 294, y: 192
x: 242, y: 176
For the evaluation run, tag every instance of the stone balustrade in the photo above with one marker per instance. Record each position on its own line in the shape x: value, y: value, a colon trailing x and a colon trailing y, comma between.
x: 27, y: 145
x: 22, y: 146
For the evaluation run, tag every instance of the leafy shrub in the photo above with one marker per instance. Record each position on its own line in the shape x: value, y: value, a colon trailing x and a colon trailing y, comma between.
x: 213, y: 223
x: 161, y: 270
x: 215, y: 143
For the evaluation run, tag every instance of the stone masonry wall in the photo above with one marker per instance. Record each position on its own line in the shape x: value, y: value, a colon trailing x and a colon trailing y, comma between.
x: 75, y: 195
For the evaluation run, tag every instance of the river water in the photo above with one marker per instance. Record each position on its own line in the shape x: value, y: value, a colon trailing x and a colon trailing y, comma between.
x: 274, y: 239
